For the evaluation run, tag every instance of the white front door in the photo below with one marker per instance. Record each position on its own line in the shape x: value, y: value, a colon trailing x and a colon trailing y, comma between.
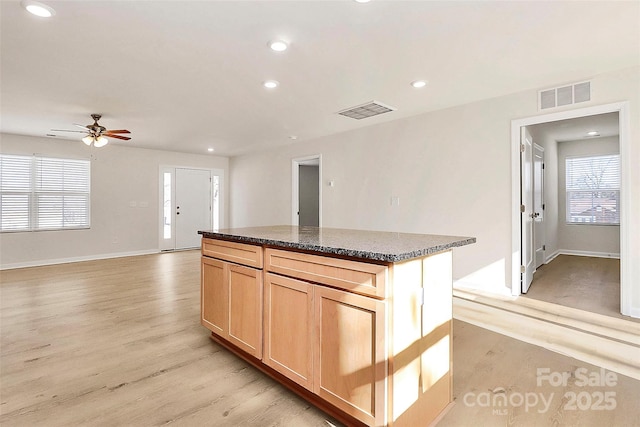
x: 191, y: 200
x: 538, y: 205
x: 526, y: 209
x: 193, y: 206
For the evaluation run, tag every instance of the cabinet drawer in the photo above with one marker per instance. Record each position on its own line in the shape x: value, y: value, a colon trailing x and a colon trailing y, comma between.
x: 240, y: 253
x: 354, y: 276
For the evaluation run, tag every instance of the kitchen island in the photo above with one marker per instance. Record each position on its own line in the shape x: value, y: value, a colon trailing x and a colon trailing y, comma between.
x: 357, y: 322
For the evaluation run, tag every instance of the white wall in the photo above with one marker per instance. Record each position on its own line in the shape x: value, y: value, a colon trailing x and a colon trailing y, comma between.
x: 601, y: 239
x: 451, y: 170
x: 119, y: 175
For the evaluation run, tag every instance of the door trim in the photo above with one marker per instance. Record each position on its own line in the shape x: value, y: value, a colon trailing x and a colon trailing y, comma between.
x: 527, y: 252
x: 315, y: 159
x: 162, y: 243
x: 622, y: 108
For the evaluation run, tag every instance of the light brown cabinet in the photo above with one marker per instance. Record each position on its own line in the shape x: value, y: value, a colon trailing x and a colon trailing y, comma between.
x: 329, y: 341
x: 289, y: 328
x: 369, y: 342
x: 231, y: 301
x: 336, y: 347
x: 349, y: 353
x: 214, y: 304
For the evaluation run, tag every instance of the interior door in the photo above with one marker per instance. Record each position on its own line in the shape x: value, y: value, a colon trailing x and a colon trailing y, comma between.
x: 306, y: 191
x: 538, y: 205
x: 193, y: 206
x: 526, y: 209
x: 308, y: 195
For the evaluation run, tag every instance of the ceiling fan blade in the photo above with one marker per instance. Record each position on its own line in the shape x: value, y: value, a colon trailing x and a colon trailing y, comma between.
x: 110, y: 135
x: 116, y: 131
x: 67, y: 130
x: 82, y: 126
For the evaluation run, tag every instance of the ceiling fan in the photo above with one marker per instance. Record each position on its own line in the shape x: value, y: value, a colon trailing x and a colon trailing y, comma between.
x: 97, y: 134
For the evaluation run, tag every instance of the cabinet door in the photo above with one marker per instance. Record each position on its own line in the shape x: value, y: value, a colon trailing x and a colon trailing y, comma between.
x: 245, y: 308
x: 214, y: 297
x: 350, y: 353
x: 288, y: 324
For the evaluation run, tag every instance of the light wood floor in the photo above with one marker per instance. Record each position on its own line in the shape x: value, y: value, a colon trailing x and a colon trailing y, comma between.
x: 585, y: 283
x: 118, y: 342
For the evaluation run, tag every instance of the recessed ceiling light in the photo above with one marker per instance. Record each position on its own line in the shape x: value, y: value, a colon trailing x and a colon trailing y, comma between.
x: 38, y: 9
x: 418, y: 84
x: 293, y: 137
x: 278, y: 45
x: 362, y: 1
x: 210, y: 150
x: 270, y: 84
x: 593, y: 133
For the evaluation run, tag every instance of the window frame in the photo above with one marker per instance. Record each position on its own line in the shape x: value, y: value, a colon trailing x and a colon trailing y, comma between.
x: 572, y: 191
x: 38, y: 192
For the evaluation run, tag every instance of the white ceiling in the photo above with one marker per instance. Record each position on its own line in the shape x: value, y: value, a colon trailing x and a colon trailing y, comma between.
x: 187, y: 75
x: 576, y: 129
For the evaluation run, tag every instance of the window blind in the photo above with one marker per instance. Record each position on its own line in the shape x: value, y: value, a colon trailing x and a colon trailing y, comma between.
x: 593, y: 189
x: 41, y: 193
x: 15, y: 192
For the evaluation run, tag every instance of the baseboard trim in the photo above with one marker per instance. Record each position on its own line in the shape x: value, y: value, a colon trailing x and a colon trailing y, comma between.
x: 552, y: 257
x: 40, y: 263
x: 604, y: 341
x: 581, y: 253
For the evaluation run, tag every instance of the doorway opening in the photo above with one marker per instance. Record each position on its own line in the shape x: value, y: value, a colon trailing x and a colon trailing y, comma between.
x: 190, y: 200
x: 562, y: 213
x: 577, y: 234
x: 306, y: 191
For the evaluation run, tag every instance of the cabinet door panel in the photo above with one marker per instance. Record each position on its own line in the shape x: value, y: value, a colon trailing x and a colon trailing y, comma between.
x: 289, y: 328
x: 350, y: 362
x: 213, y: 293
x: 245, y: 308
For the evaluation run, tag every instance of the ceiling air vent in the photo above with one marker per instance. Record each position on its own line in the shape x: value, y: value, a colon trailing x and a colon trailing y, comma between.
x: 369, y: 109
x: 564, y: 95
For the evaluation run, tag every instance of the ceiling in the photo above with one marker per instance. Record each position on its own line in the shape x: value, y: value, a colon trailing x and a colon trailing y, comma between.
x: 187, y: 75
x: 576, y: 129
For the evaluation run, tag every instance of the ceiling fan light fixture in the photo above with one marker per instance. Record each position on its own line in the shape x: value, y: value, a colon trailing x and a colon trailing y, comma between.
x: 38, y: 9
x: 101, y: 141
x: 87, y: 139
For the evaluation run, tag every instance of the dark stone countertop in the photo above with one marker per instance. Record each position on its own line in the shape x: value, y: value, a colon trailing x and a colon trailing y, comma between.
x: 368, y: 245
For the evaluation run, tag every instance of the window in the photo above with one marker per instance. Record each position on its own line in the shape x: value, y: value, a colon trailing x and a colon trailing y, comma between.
x: 42, y: 193
x: 593, y: 189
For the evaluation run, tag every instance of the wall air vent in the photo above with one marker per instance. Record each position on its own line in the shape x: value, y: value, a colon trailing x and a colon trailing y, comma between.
x: 369, y: 109
x: 564, y: 95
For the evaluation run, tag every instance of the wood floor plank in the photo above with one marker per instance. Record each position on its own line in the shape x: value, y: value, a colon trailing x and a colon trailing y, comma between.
x: 118, y: 342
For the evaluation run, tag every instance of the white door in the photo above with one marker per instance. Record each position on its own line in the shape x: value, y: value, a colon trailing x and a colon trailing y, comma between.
x: 195, y: 193
x: 193, y: 206
x: 538, y: 205
x: 526, y: 209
